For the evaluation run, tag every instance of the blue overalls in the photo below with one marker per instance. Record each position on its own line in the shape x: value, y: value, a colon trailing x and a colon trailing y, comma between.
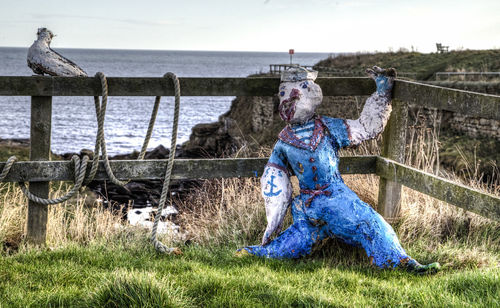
x: 326, y: 207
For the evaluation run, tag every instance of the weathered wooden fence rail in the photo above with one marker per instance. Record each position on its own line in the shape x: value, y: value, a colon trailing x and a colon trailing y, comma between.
x: 471, y: 76
x: 459, y: 195
x: 425, y: 95
x: 489, y: 87
x: 40, y: 170
x: 326, y: 71
x: 464, y: 102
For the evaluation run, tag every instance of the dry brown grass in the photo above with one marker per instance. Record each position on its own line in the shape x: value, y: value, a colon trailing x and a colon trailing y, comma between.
x: 224, y: 211
x: 70, y: 222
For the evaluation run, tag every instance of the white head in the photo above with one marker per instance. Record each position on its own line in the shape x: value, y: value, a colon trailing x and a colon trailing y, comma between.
x: 299, y: 96
x: 45, y: 34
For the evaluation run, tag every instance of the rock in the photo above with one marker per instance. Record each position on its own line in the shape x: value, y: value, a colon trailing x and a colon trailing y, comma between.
x: 205, y: 129
x: 129, y: 156
x: 158, y: 153
x: 15, y: 142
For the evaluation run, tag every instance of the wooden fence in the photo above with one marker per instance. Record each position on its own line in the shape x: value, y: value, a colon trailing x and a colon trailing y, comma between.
x: 40, y: 170
x: 489, y: 87
x: 327, y: 71
x: 467, y: 76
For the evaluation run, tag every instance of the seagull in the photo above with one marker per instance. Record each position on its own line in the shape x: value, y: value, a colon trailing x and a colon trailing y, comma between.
x: 43, y: 60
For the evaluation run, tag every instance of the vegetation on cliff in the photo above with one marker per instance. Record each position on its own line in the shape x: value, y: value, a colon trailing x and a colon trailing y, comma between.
x: 424, y: 64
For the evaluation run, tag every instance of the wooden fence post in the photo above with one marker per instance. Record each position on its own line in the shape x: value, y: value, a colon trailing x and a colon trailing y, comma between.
x: 41, y: 114
x: 393, y: 147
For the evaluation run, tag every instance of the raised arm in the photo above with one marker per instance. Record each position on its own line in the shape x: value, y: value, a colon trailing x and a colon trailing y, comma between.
x: 277, y: 194
x: 377, y: 108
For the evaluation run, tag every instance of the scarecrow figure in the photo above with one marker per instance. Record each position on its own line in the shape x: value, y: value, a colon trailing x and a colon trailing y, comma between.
x: 308, y: 148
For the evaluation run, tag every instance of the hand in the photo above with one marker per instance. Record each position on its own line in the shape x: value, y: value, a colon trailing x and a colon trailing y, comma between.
x: 384, y: 78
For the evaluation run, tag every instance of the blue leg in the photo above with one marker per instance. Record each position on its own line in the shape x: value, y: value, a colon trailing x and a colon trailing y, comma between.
x: 355, y: 222
x: 380, y: 242
x: 294, y: 242
x: 366, y: 228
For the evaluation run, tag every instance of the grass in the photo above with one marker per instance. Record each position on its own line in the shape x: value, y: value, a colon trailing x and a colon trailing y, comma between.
x: 133, y: 275
x: 21, y: 152
x: 94, y: 260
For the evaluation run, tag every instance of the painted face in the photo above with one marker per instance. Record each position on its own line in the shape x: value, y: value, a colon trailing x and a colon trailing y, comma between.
x: 298, y: 100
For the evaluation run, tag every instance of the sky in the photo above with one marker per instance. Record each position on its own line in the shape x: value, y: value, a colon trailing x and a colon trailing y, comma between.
x: 254, y: 25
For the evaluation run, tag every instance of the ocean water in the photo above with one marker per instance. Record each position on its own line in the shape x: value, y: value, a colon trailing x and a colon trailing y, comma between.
x: 73, y: 118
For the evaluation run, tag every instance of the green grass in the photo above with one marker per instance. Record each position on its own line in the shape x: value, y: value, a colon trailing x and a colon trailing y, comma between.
x: 133, y: 274
x: 21, y: 152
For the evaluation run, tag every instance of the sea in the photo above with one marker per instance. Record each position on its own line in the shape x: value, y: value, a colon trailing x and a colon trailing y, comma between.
x: 73, y: 118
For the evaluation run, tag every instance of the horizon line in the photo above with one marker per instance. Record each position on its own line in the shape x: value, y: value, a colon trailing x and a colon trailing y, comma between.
x: 147, y: 49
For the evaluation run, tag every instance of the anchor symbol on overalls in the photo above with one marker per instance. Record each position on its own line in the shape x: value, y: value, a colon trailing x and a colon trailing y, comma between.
x: 271, y: 193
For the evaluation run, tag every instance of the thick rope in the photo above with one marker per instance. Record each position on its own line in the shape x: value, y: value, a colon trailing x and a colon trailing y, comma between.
x: 7, y: 167
x: 80, y: 169
x: 152, y: 121
x: 170, y: 163
x: 100, y: 143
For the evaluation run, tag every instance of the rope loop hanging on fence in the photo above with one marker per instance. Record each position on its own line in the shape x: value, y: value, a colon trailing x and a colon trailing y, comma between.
x: 100, y: 143
x: 80, y: 169
x: 159, y: 246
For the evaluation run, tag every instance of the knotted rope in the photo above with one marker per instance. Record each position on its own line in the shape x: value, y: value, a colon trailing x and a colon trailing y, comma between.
x: 100, y: 145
